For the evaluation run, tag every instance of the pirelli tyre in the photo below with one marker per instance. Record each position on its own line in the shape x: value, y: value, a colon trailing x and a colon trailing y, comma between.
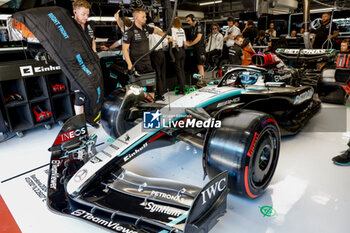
x: 116, y: 109
x: 247, y: 145
x: 111, y: 112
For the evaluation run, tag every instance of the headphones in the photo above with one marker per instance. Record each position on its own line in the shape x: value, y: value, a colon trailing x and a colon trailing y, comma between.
x: 192, y: 17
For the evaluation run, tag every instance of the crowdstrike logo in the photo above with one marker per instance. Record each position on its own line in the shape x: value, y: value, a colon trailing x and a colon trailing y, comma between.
x: 30, y: 70
x: 109, y: 224
x: 303, y: 97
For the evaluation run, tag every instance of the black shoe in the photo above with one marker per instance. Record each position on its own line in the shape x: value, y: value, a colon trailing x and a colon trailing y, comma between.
x: 342, y: 159
x: 201, y: 83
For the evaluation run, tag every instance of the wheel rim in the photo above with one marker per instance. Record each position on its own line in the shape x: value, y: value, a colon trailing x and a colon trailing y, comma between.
x: 264, y: 160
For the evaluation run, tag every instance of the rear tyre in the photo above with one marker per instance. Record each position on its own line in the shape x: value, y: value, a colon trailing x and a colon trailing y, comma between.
x: 223, y: 62
x: 246, y: 145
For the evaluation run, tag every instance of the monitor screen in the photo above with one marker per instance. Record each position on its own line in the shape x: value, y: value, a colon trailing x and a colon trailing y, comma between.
x: 127, y: 2
x: 341, y: 18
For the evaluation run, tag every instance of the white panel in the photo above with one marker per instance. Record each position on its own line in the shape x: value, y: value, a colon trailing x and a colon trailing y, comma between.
x: 292, y: 4
x: 183, y: 14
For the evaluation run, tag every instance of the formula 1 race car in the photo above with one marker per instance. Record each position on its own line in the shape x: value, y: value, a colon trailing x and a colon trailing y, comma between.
x: 236, y: 124
x: 324, y: 69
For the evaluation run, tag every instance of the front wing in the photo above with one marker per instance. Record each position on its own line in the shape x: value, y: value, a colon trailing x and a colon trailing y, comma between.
x: 122, y: 201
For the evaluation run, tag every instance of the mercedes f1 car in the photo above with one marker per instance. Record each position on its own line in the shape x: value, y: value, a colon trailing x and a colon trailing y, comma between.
x: 328, y: 78
x: 236, y: 124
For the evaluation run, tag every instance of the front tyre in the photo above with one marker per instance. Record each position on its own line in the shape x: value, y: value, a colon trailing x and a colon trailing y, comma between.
x: 247, y: 146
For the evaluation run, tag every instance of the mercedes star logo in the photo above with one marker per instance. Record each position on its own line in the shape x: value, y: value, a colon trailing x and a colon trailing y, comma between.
x: 80, y: 175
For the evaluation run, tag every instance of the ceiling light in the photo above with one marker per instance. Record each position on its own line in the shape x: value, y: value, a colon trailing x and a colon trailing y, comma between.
x: 103, y: 18
x: 210, y: 3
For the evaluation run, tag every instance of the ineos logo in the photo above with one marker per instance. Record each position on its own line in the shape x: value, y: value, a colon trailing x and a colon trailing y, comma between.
x: 80, y: 175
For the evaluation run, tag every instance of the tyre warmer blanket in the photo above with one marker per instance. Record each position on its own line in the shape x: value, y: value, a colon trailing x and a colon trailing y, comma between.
x: 3, y: 128
x: 68, y: 46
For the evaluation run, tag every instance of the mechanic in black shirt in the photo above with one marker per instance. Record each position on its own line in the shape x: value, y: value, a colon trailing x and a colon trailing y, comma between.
x: 236, y: 51
x: 81, y: 10
x: 344, y: 158
x: 136, y: 42
x: 345, y: 46
x: 250, y: 31
x: 197, y: 42
x: 322, y: 33
x: 261, y: 40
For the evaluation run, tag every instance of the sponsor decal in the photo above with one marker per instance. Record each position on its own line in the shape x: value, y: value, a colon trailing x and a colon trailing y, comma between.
x: 100, y: 221
x: 30, y: 70
x: 38, y: 188
x: 95, y: 159
x: 268, y: 121
x: 54, y: 175
x: 82, y: 65
x: 282, y: 77
x: 38, y: 182
x: 136, y: 151
x: 305, y: 51
x: 154, y: 208
x: 98, y: 95
x: 227, y: 102
x: 212, y: 90
x: 168, y: 196
x: 59, y: 25
x: 70, y: 135
x: 267, y: 211
x: 80, y: 175
x: 127, y: 137
x: 26, y: 70
x: 210, y: 192
x: 153, y: 120
x: 303, y: 97
x: 252, y: 145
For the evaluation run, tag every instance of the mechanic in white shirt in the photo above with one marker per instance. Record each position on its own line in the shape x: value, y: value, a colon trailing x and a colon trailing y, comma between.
x: 179, y: 37
x: 271, y: 31
x: 214, y: 46
x: 231, y: 32
x: 158, y: 62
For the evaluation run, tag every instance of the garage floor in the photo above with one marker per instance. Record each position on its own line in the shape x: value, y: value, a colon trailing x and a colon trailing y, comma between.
x: 307, y: 194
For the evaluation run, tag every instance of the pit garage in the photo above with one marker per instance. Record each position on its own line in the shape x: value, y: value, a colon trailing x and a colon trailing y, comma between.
x: 242, y: 127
